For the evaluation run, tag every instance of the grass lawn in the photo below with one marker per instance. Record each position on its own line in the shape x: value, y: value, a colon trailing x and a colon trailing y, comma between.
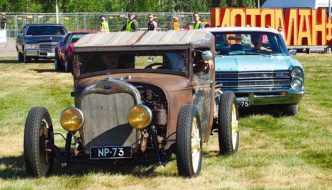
x: 275, y: 152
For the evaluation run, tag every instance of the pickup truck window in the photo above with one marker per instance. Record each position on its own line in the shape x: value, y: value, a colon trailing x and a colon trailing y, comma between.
x: 45, y: 30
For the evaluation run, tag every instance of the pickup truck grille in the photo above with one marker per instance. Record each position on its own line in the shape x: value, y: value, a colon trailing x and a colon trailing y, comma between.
x: 254, y: 80
x: 47, y: 46
x: 106, y: 122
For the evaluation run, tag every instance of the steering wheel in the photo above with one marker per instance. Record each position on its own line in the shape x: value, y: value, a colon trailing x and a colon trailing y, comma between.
x: 153, y: 65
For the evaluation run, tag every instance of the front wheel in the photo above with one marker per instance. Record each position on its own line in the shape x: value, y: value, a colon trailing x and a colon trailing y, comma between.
x: 228, y: 124
x: 290, y: 110
x: 189, y: 142
x: 38, y: 136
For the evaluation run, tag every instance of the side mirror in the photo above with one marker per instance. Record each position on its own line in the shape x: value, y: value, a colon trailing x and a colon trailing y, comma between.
x: 292, y: 52
x: 207, y: 55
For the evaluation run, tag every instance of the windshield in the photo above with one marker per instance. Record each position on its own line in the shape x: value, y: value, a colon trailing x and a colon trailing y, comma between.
x: 154, y: 61
x: 76, y: 37
x: 46, y: 30
x: 249, y: 43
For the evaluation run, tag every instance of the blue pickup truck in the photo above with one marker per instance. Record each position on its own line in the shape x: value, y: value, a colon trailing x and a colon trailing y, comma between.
x: 256, y: 65
x: 38, y: 41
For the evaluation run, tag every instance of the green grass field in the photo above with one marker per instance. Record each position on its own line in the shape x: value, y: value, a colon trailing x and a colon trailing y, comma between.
x: 275, y: 152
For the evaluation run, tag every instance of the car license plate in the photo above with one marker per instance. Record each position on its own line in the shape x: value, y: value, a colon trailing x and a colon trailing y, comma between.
x: 110, y: 152
x: 50, y: 54
x: 243, y: 102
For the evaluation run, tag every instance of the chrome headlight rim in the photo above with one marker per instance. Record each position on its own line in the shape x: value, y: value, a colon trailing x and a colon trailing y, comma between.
x: 79, y: 112
x: 300, y: 86
x: 149, y: 111
x: 297, y: 70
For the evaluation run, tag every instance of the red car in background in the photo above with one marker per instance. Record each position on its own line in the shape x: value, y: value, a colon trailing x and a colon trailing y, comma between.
x: 64, y: 54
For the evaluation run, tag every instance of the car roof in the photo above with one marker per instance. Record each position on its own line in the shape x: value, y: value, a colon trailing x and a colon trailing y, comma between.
x: 142, y: 40
x: 242, y: 29
x: 43, y: 24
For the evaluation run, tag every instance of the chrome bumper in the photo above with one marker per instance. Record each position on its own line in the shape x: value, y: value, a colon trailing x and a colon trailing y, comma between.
x: 44, y: 53
x: 269, y: 98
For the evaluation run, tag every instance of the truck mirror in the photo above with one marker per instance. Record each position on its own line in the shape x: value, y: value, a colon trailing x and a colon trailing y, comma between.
x: 292, y: 52
x: 207, y: 55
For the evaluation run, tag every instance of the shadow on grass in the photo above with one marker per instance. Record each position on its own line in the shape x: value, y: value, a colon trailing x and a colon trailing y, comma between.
x: 46, y: 71
x: 271, y: 110
x: 14, y: 168
x: 15, y: 61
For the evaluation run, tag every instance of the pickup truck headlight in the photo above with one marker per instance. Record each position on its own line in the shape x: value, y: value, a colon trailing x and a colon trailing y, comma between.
x: 296, y: 84
x: 71, y: 119
x: 297, y: 73
x: 31, y: 46
x: 140, y: 116
x: 297, y: 79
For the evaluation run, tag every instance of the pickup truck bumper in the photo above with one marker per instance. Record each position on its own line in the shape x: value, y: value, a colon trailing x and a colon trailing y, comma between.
x: 269, y: 98
x: 43, y: 53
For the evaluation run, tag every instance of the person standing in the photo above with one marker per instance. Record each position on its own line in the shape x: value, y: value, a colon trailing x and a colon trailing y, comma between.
x: 4, y: 22
x: 103, y: 24
x: 198, y: 24
x: 131, y: 24
x: 152, y: 24
x: 176, y: 24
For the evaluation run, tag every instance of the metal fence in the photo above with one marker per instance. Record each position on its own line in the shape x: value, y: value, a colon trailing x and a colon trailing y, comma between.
x: 90, y: 21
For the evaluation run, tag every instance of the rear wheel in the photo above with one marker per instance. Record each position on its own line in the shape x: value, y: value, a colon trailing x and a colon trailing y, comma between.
x: 189, y: 142
x: 228, y: 124
x: 68, y: 64
x: 38, y: 136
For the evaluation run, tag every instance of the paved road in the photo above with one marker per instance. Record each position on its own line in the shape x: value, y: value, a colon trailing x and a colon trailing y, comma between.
x: 8, y: 49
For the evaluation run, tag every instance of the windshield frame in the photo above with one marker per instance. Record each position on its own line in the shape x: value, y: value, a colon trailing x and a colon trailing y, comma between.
x: 281, y: 42
x: 77, y: 70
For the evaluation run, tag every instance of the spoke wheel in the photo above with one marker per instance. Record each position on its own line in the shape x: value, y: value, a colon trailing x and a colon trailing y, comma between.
x: 189, y: 142
x: 228, y: 124
x: 38, y: 136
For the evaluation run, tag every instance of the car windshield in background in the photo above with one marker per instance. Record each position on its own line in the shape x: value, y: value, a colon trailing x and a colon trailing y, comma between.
x: 249, y: 43
x: 45, y: 30
x: 76, y: 37
x: 154, y: 61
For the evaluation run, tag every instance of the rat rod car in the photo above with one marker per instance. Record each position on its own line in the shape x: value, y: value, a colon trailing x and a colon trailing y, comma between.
x: 139, y: 96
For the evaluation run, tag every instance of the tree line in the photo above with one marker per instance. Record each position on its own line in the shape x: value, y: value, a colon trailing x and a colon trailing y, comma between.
x: 68, y: 6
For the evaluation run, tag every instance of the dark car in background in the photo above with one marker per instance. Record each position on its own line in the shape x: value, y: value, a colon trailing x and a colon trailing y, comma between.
x: 64, y: 53
x: 38, y: 41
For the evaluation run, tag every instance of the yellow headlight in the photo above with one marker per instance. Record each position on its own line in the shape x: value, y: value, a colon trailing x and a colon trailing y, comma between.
x: 140, y: 116
x: 72, y: 119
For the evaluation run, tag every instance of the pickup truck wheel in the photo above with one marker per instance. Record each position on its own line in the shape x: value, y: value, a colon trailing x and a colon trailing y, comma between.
x: 290, y: 110
x: 228, y: 124
x: 26, y: 59
x: 20, y: 57
x: 38, y: 136
x: 189, y: 142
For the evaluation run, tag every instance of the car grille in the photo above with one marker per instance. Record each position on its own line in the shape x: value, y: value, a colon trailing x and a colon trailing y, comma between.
x: 254, y: 80
x: 47, y: 46
x: 106, y: 122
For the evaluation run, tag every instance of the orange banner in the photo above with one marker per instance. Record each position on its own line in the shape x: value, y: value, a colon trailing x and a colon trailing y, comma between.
x: 301, y: 27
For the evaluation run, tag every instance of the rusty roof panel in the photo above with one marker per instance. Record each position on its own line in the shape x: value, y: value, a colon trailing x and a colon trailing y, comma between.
x: 118, y: 40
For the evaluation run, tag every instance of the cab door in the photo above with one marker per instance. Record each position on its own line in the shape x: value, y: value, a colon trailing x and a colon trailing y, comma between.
x: 203, y: 95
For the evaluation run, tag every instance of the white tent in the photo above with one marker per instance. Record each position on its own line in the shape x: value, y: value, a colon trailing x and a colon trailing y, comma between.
x: 296, y: 3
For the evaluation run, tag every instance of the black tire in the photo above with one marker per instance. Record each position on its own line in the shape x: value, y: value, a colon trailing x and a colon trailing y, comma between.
x: 68, y: 64
x: 20, y: 57
x: 57, y: 65
x: 290, y: 110
x: 26, y: 59
x: 38, y: 129
x: 227, y: 124
x: 189, y: 161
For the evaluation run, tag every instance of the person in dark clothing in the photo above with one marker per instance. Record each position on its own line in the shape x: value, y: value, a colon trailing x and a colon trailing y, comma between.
x: 4, y: 22
x: 152, y: 25
x: 131, y: 24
